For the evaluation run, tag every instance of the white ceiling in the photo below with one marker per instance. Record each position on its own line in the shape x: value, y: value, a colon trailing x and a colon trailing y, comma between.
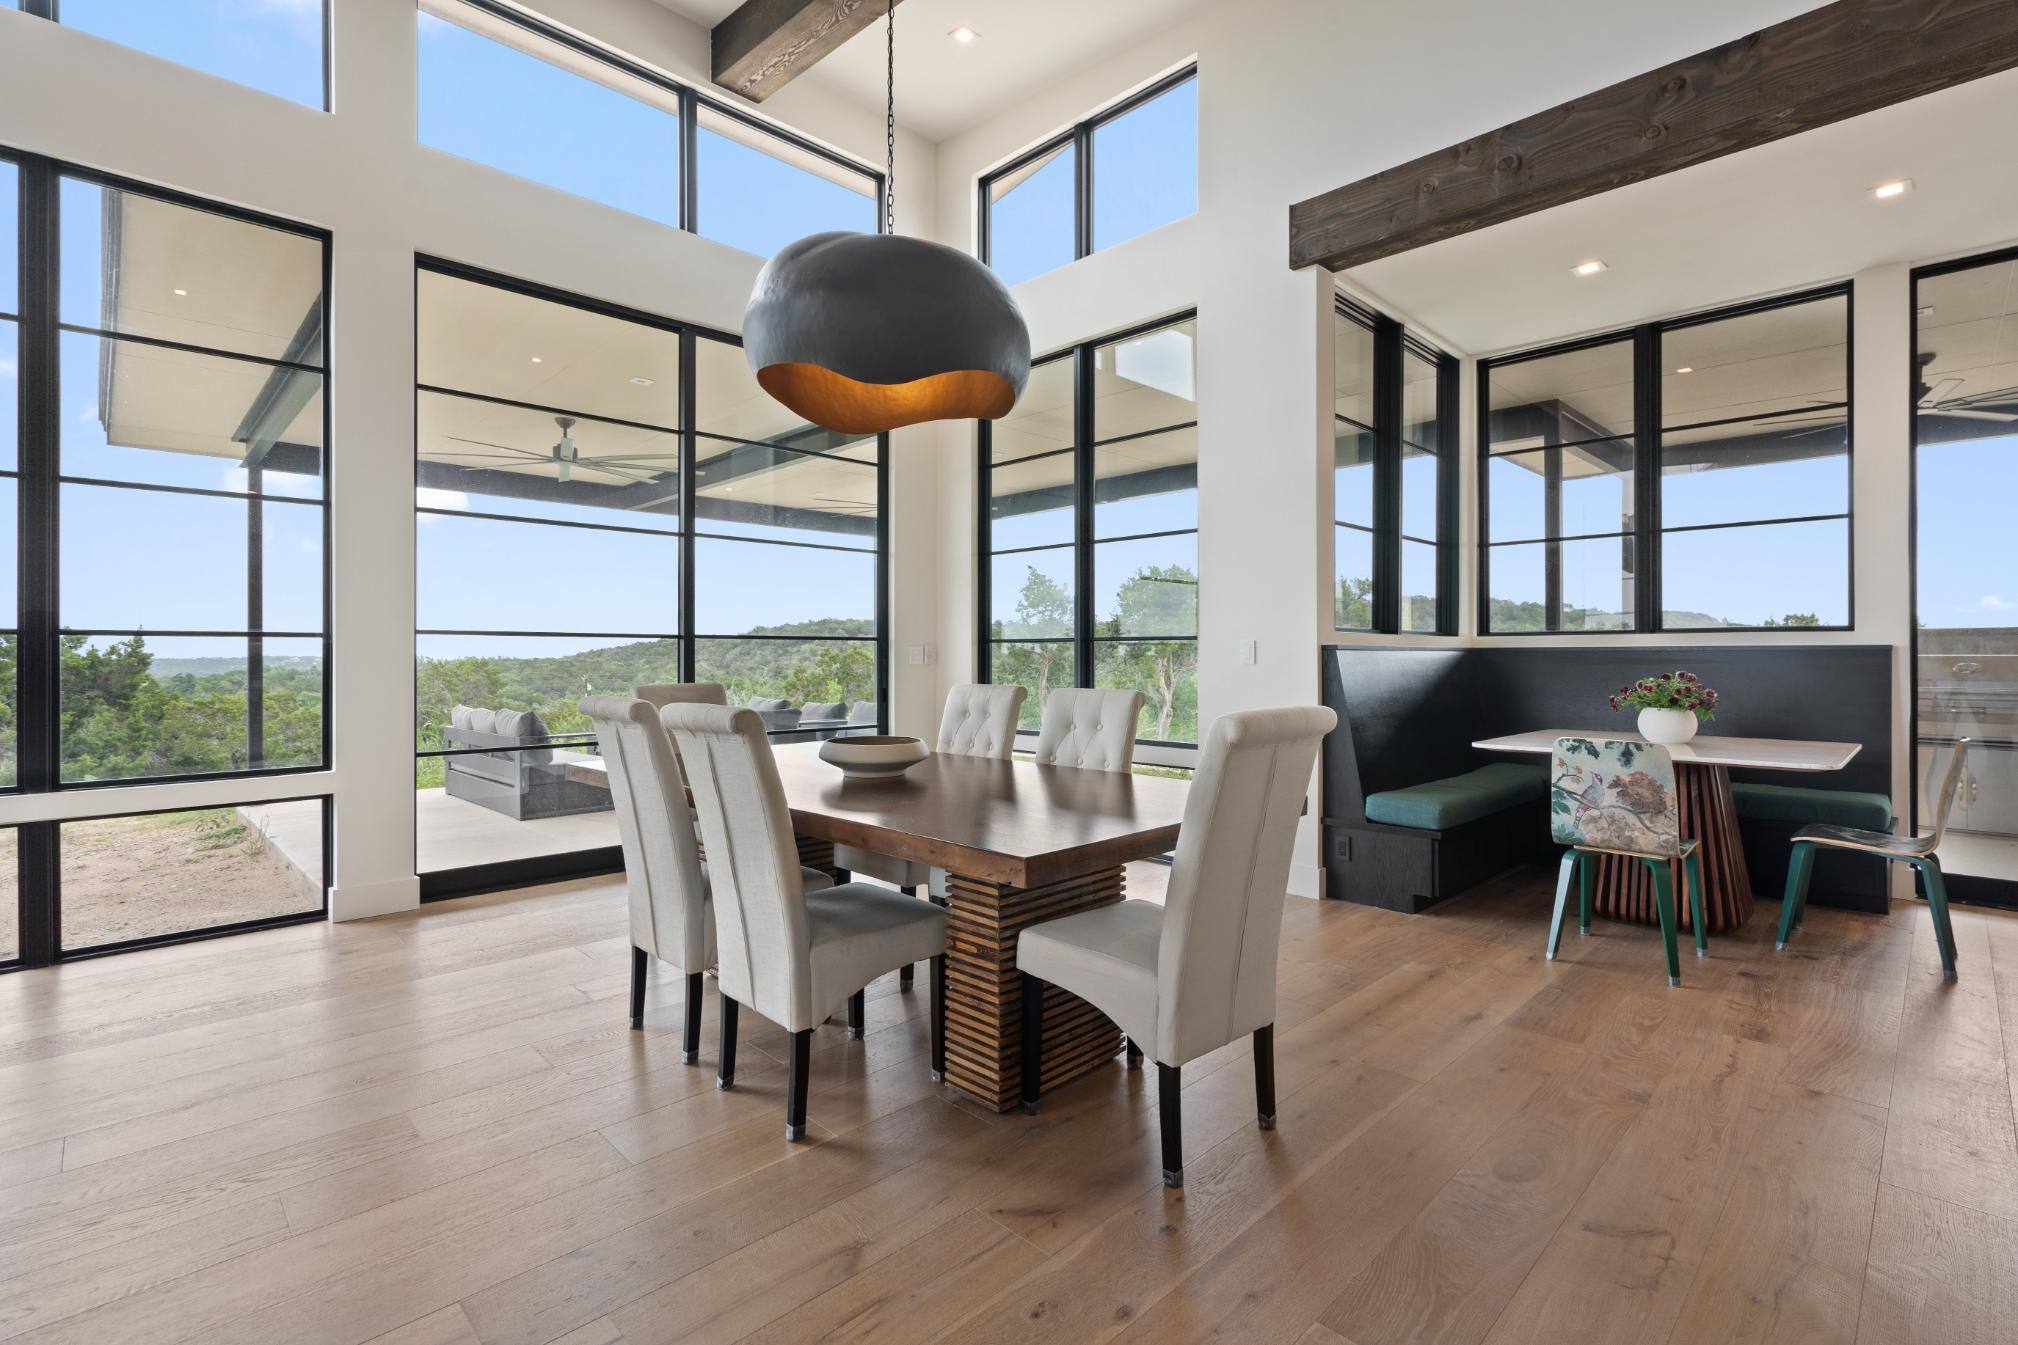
x: 946, y: 87
x: 1765, y: 221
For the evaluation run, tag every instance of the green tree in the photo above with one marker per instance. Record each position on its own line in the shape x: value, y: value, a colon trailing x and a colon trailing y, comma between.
x: 1043, y: 612
x: 1157, y: 600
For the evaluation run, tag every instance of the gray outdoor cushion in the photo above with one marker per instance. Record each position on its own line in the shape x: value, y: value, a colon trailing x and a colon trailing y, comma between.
x: 822, y: 710
x: 761, y: 703
x: 862, y: 712
x: 518, y: 724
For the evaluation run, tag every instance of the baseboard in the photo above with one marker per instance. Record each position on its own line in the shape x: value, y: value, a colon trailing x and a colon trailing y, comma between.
x: 362, y: 901
x: 1306, y: 880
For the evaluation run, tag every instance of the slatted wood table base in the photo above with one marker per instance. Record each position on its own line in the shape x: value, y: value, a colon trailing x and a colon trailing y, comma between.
x: 1625, y: 887
x: 984, y: 997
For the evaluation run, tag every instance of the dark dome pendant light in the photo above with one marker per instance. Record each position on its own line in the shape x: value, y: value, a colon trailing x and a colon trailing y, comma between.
x: 861, y: 333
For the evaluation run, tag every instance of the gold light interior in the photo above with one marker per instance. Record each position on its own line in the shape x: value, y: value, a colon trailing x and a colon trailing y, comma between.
x: 842, y: 404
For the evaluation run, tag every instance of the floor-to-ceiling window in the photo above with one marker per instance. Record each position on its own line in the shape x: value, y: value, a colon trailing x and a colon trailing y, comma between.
x: 606, y: 499
x: 279, y: 47
x: 1089, y: 525
x: 162, y: 486
x: 1966, y: 566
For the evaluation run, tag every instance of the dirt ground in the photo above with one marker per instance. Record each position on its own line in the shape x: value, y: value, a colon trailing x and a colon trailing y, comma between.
x: 129, y: 877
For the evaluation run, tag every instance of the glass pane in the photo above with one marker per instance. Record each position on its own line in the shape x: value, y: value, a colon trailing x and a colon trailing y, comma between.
x: 1419, y: 379
x: 291, y: 701
x: 1030, y: 211
x: 147, y: 560
x: 171, y: 873
x: 10, y: 889
x: 145, y: 413
x: 1516, y: 581
x: 275, y: 48
x: 588, y: 130
x: 730, y: 404
x: 1758, y: 363
x: 10, y: 394
x: 492, y: 459
x: 1352, y: 474
x: 1146, y: 485
x: 763, y: 491
x: 758, y: 192
x: 1032, y: 501
x: 546, y: 675
x: 799, y: 671
x: 1146, y: 587
x: 138, y: 706
x: 486, y: 575
x: 1042, y: 420
x: 1595, y: 496
x: 1040, y: 666
x: 1420, y: 469
x: 1418, y: 587
x: 1756, y: 470
x: 1562, y: 399
x: 1769, y: 574
x: 1031, y: 594
x: 1597, y: 586
x: 758, y: 588
x: 10, y: 253
x: 1147, y: 382
x: 1146, y: 162
x: 142, y: 266
x: 499, y: 343
x: 1352, y: 561
x: 1165, y: 672
x: 1352, y: 368
x: 9, y: 561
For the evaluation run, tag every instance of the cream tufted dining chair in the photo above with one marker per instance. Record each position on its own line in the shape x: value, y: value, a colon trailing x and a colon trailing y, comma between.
x: 662, y: 694
x: 978, y: 721
x: 791, y: 954
x: 1093, y: 729
x: 1197, y: 972
x: 671, y: 915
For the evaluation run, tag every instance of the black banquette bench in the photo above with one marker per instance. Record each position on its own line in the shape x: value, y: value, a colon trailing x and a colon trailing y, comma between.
x: 1414, y: 814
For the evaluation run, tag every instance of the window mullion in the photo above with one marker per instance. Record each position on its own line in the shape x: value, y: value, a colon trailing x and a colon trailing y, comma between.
x: 984, y: 545
x: 1387, y: 402
x: 1082, y: 210
x: 1647, y: 478
x: 1082, y: 520
x: 689, y: 453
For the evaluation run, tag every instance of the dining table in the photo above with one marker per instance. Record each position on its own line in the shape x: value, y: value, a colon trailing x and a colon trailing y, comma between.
x: 1020, y: 843
x: 1709, y: 816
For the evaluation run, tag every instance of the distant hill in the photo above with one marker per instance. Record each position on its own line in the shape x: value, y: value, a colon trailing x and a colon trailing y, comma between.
x: 217, y: 667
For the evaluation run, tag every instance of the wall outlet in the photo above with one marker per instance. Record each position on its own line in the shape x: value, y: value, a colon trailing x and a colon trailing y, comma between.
x: 1249, y: 655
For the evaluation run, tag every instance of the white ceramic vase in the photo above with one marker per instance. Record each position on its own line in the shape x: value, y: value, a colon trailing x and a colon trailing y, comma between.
x: 1669, y: 727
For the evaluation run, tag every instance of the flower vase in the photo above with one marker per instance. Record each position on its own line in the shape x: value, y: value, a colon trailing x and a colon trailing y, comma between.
x: 1668, y: 727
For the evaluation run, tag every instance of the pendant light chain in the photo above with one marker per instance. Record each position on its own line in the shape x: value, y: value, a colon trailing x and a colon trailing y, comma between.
x: 890, y: 122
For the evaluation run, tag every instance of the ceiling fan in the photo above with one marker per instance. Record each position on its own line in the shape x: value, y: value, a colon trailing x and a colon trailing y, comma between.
x: 566, y: 454
x: 2000, y: 404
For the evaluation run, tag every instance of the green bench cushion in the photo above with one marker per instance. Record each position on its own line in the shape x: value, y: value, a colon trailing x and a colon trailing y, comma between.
x: 1455, y: 800
x: 1799, y: 806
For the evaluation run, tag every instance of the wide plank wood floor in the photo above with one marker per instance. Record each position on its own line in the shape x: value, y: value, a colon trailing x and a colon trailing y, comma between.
x: 436, y: 1129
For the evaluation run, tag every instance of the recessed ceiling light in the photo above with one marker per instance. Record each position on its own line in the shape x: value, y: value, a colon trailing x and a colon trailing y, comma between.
x: 538, y: 360
x: 644, y: 382
x: 1885, y: 191
x: 1686, y: 369
x: 963, y: 34
x: 182, y: 294
x: 1589, y: 268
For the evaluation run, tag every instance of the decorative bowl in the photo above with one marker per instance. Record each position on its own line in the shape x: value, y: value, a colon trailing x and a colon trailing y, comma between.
x: 873, y: 757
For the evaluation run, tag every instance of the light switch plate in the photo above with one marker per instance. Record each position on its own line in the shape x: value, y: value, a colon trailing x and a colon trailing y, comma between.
x: 1249, y: 656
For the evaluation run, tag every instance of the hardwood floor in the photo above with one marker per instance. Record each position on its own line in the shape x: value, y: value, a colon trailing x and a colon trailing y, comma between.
x: 436, y: 1129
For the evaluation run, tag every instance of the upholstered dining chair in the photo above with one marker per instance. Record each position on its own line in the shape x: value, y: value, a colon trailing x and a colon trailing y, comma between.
x: 978, y: 721
x: 661, y: 694
x: 1616, y: 796
x: 791, y: 954
x: 671, y: 915
x: 1197, y: 972
x: 1089, y: 728
x: 1917, y: 851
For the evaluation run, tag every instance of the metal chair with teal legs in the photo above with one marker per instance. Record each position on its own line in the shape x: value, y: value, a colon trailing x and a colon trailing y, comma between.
x: 1915, y: 850
x: 1616, y: 796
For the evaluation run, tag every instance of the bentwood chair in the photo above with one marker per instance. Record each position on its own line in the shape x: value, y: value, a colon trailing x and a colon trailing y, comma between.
x: 1917, y: 851
x: 1088, y: 728
x: 1616, y: 796
x: 1197, y: 972
x: 671, y: 914
x: 790, y: 953
x: 978, y: 721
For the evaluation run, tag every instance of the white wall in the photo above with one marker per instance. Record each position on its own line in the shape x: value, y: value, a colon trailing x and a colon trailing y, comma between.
x: 358, y: 172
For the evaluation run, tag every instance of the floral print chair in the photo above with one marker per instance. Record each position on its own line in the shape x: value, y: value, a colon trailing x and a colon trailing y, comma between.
x: 1616, y: 796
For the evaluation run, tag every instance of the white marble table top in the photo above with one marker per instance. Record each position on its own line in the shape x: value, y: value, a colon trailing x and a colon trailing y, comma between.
x: 1772, y: 754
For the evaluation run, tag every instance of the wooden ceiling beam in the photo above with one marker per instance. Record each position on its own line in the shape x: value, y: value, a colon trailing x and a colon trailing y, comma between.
x: 765, y: 44
x: 1839, y: 61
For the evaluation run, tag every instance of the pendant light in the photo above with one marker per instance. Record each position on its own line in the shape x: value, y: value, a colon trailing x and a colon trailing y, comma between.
x: 861, y: 333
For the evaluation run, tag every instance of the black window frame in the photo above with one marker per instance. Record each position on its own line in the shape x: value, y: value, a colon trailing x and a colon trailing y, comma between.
x: 1392, y: 344
x: 439, y: 884
x: 1084, y: 449
x: 1080, y: 137
x: 1645, y: 534
x: 53, y: 11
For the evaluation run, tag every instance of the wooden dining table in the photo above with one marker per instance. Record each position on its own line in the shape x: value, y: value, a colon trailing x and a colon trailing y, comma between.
x: 1021, y: 843
x: 1625, y: 888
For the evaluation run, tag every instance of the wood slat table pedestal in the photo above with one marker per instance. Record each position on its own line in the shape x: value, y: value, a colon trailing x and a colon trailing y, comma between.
x: 1625, y: 887
x: 984, y: 997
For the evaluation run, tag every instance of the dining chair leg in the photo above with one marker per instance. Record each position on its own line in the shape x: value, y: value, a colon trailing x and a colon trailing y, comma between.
x: 1033, y: 1042
x: 1169, y: 1116
x: 725, y: 1067
x: 1799, y: 864
x: 799, y: 1073
x: 938, y: 1018
x: 638, y: 960
x: 909, y: 975
x: 1664, y: 905
x: 1564, y: 876
x: 1264, y: 1076
x: 1134, y: 1053
x: 1587, y: 883
x: 1937, y: 902
x: 1692, y: 878
x: 858, y: 1014
x: 690, y: 1051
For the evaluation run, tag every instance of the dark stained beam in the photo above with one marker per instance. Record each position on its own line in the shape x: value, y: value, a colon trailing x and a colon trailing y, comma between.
x: 1839, y: 61
x: 766, y: 44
